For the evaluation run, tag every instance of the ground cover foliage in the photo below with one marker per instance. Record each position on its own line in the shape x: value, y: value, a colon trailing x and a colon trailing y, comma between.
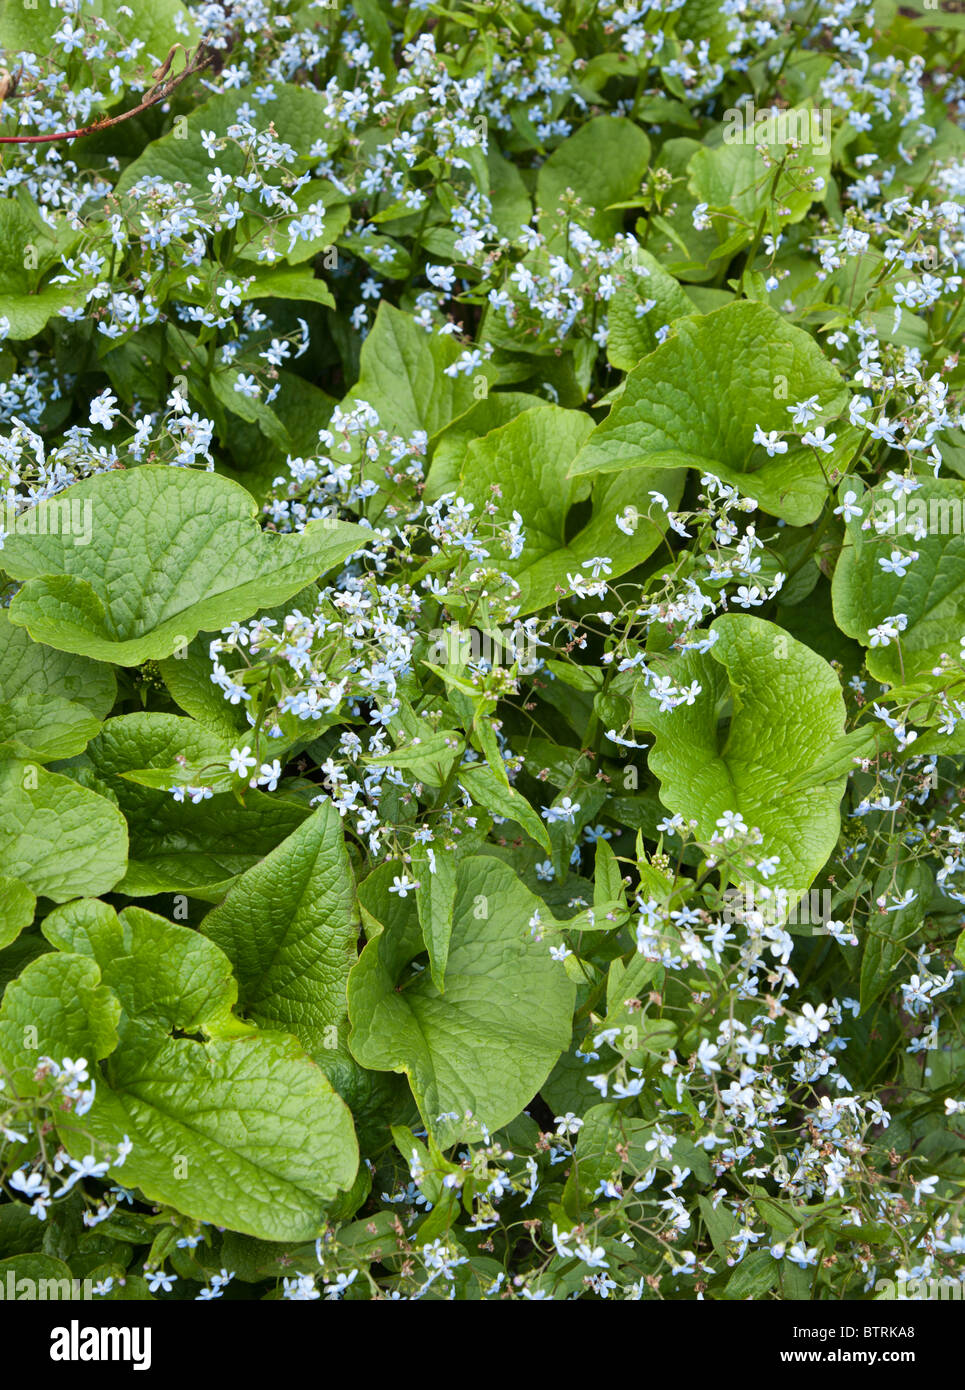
x: 482, y: 675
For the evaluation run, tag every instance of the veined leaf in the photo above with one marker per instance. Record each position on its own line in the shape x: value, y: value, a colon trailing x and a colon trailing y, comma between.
x: 487, y: 1044
x: 174, y: 552
x: 787, y: 709
x: 289, y: 927
x: 61, y: 839
x: 929, y: 590
x: 696, y: 401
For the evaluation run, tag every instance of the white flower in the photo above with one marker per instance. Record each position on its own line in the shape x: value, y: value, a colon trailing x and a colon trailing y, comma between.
x: 770, y: 440
x: 731, y: 823
x: 241, y: 761
x: 103, y: 410
x: 160, y: 1279
x: 898, y: 564
x: 229, y: 293
x: 819, y: 440
x: 403, y: 886
x: 269, y: 775
x: 805, y: 411
x: 848, y: 509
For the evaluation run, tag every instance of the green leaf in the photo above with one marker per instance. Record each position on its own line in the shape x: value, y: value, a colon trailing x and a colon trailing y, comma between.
x: 498, y: 408
x: 187, y: 676
x: 290, y: 284
x: 24, y: 302
x: 529, y: 459
x: 180, y: 157
x: 176, y: 752
x: 489, y: 1042
x: 245, y: 1133
x: 512, y: 206
x: 44, y: 727
x: 179, y: 847
x: 161, y: 972
x: 735, y: 175
x: 435, y: 899
x: 56, y: 1008
x: 17, y: 907
x: 175, y: 552
x: 931, y: 594
x: 402, y: 376
x: 608, y: 886
x: 62, y: 840
x: 631, y: 335
x: 157, y: 23
x: 755, y: 1276
x: 696, y: 400
x: 429, y: 760
x: 604, y: 162
x: 30, y: 670
x: 677, y: 226
x: 251, y: 409
x: 289, y: 927
x: 489, y: 790
x: 787, y: 708
x: 890, y: 932
x: 841, y: 757
x: 50, y: 1279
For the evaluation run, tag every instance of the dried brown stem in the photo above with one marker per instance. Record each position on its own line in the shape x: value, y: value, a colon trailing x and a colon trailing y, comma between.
x: 204, y: 57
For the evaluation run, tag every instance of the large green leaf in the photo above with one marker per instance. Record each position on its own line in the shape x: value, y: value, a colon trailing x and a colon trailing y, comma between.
x: 51, y: 702
x: 177, y: 846
x: 44, y: 727
x: 157, y: 23
x: 633, y: 334
x: 161, y: 972
x: 289, y: 927
x: 529, y: 459
x: 245, y: 1133
x: 603, y: 162
x: 787, y: 711
x: 735, y: 175
x: 28, y: 669
x: 61, y: 839
x: 241, y: 1131
x: 174, y: 552
x: 298, y: 114
x: 498, y: 408
x: 488, y: 1043
x: 931, y: 593
x: 402, y: 376
x: 69, y: 1013
x: 17, y: 907
x: 696, y: 400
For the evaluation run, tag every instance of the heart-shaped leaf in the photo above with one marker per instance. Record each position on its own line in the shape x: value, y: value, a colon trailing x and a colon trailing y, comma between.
x: 696, y: 401
x: 173, y: 553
